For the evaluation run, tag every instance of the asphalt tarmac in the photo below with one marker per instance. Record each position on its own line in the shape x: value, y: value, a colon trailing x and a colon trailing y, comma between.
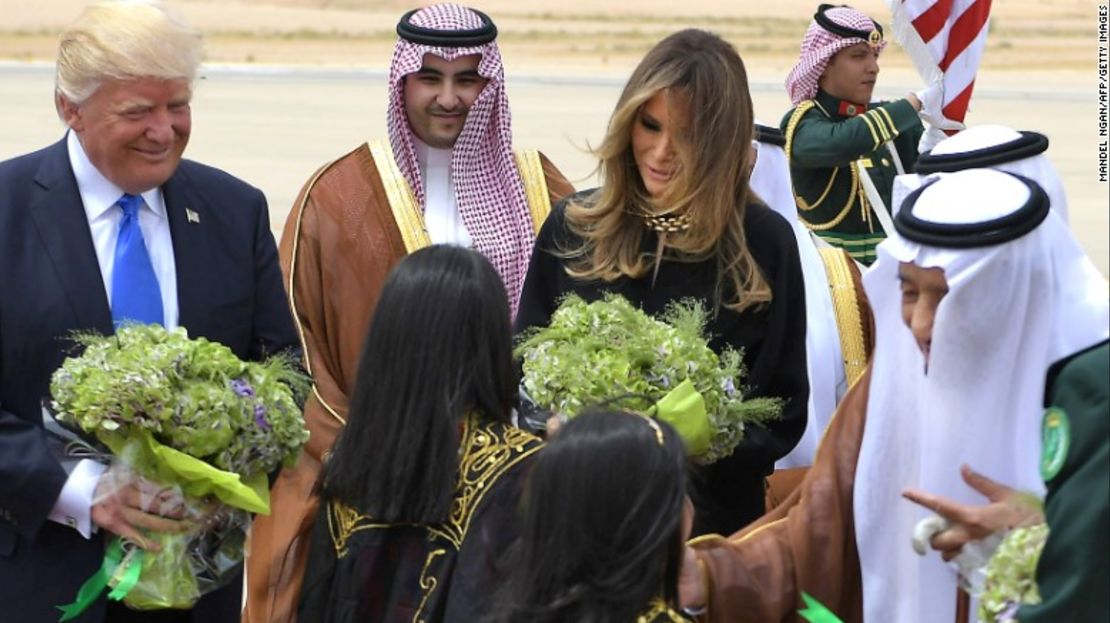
x: 274, y: 126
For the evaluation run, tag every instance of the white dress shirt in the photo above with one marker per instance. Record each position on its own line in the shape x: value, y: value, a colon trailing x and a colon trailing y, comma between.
x: 441, y: 211
x: 99, y: 197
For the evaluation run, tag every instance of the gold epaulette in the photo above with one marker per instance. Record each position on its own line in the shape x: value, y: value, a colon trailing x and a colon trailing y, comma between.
x: 792, y: 125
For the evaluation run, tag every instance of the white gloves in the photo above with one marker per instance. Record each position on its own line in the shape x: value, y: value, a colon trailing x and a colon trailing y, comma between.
x: 932, y: 99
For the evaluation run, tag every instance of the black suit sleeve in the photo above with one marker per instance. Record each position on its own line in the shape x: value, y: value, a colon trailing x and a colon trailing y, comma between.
x: 31, y: 478
x: 272, y: 329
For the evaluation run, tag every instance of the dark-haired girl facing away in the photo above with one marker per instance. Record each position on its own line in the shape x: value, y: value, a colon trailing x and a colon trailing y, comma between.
x: 417, y: 498
x: 674, y: 219
x: 604, y: 525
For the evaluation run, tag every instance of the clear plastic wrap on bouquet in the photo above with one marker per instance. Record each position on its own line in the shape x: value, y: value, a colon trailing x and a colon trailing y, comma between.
x: 206, y: 556
x: 191, y: 564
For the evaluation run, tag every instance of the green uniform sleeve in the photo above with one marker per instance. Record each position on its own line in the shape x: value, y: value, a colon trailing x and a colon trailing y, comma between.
x: 1074, y: 569
x: 822, y: 142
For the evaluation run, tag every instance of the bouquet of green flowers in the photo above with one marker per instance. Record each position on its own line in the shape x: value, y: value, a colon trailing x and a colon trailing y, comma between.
x: 192, y: 417
x: 595, y: 353
x: 1011, y: 574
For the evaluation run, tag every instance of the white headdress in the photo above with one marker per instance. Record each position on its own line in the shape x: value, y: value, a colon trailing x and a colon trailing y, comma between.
x: 1022, y: 295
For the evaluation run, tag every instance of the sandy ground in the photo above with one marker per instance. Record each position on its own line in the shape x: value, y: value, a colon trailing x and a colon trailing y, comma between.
x: 564, y: 34
x: 295, y: 83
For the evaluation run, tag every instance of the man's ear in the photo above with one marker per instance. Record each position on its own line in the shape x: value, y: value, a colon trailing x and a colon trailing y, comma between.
x: 69, y: 112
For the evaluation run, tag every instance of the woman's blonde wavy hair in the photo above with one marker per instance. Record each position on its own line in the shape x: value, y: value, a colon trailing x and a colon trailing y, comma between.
x: 710, y: 183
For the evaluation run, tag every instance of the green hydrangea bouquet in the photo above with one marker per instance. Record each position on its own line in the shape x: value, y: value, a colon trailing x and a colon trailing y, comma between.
x: 1011, y: 574
x: 595, y: 353
x: 188, y: 415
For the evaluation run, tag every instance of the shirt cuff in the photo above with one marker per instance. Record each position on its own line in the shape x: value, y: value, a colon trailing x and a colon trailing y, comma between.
x: 74, y: 504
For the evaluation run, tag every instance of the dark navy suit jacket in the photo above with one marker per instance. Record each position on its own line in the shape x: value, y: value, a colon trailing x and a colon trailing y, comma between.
x: 229, y: 290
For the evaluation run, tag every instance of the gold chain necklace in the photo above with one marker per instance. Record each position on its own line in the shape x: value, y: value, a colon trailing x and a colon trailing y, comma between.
x: 666, y: 223
x: 663, y: 224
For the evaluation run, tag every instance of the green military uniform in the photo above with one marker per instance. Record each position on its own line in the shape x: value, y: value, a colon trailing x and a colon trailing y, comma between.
x: 1074, y: 570
x: 828, y: 140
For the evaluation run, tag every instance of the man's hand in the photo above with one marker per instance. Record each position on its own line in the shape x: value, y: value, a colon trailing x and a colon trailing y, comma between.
x: 553, y: 424
x: 1006, y: 509
x: 125, y: 508
x: 914, y: 101
x: 929, y: 105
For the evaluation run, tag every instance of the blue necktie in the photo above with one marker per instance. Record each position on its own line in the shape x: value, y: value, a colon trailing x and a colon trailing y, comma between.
x: 135, y: 293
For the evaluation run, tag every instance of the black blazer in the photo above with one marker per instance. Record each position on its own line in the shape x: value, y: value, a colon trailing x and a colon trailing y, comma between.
x: 229, y: 290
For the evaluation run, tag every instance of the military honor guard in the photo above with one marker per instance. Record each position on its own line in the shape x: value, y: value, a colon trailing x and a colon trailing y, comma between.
x: 844, y: 149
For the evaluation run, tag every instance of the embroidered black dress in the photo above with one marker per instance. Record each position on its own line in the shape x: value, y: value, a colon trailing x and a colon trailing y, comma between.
x: 729, y: 493
x: 361, y: 570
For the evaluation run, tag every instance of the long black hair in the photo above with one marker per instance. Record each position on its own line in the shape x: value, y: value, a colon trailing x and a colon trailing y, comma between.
x: 602, y: 525
x: 439, y: 346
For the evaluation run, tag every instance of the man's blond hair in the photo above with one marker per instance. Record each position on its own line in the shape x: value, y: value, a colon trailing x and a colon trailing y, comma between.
x: 125, y: 40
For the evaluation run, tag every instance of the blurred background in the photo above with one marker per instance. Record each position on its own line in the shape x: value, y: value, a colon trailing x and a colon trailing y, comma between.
x: 291, y: 84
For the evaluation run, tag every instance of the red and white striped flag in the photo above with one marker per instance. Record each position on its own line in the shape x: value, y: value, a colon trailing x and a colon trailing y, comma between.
x: 945, y: 39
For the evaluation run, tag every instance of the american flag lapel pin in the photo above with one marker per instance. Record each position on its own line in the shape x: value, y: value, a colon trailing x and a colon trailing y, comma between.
x: 191, y: 216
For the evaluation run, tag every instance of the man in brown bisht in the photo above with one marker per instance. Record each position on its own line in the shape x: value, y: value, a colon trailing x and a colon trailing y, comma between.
x: 447, y: 175
x: 951, y: 387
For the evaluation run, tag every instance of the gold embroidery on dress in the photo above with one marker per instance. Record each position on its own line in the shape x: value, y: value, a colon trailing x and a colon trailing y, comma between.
x: 342, y: 520
x: 658, y: 610
x: 428, y: 583
x: 488, y: 451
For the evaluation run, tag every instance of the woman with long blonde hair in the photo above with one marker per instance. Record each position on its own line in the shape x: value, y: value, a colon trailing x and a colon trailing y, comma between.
x: 674, y: 219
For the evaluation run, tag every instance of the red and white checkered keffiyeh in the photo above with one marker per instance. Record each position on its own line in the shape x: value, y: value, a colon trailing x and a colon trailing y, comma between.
x: 488, y: 188
x: 819, y: 46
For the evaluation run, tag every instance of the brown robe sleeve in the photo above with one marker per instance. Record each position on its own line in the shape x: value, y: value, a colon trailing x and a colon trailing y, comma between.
x: 339, y: 244
x: 805, y: 544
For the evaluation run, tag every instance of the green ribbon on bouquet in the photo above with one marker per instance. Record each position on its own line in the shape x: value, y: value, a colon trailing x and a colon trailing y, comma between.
x: 684, y: 408
x: 164, y: 464
x: 816, y: 612
x: 117, y: 570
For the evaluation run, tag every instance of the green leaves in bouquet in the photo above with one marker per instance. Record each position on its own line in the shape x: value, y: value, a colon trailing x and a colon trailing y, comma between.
x: 594, y: 353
